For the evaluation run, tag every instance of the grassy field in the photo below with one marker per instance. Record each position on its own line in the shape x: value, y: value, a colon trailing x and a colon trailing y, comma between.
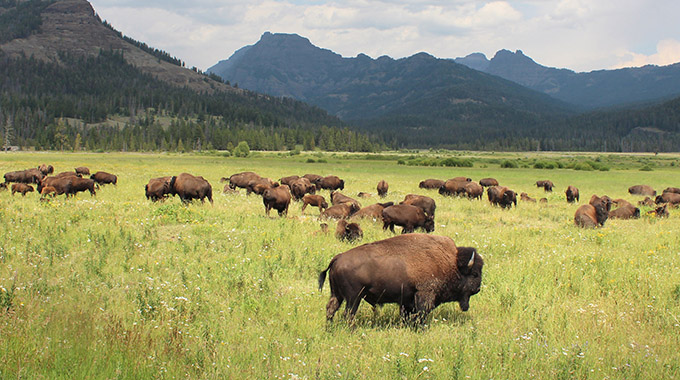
x: 117, y: 287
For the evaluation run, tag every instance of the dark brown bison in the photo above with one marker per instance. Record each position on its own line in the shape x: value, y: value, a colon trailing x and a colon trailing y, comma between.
x: 547, y: 185
x: 572, y: 194
x: 61, y: 185
x: 625, y: 211
x: 524, y: 197
x: 241, y: 179
x: 431, y: 184
x: 407, y: 216
x: 488, y: 182
x: 593, y: 214
x: 158, y: 188
x: 46, y: 169
x: 416, y: 271
x: 81, y: 184
x: 348, y: 231
x: 277, y: 198
x: 473, y: 190
x: 3, y: 186
x: 382, y: 188
x: 259, y: 185
x: 461, y: 179
x: 672, y: 190
x: 48, y: 191
x: 660, y: 212
x: 104, y: 178
x: 338, y: 197
x: 27, y: 176
x: 22, y: 188
x: 314, y: 178
x: 82, y: 170
x: 300, y: 187
x: 453, y: 186
x: 620, y: 202
x: 373, y: 211
x: 642, y: 190
x: 190, y: 187
x: 426, y: 203
x: 501, y: 196
x: 314, y: 200
x: 67, y: 174
x: 340, y: 211
x: 289, y: 180
x: 331, y: 182
x: 647, y: 202
x: 672, y: 199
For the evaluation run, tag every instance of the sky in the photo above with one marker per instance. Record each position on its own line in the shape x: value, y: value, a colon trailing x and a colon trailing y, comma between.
x: 581, y: 35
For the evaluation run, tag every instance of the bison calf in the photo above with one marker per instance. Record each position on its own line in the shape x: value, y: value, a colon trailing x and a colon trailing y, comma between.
x: 407, y: 216
x: 314, y: 200
x: 21, y: 188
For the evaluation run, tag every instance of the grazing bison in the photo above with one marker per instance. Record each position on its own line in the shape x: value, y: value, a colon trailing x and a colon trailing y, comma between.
x: 331, y: 182
x: 488, y: 182
x: 62, y: 185
x: 672, y: 190
x: 418, y: 272
x: 158, y: 188
x: 454, y: 186
x: 672, y: 199
x: 625, y: 211
x: 524, y: 197
x: 82, y: 170
x: 46, y: 169
x: 289, y: 180
x: 103, y: 178
x: 241, y: 179
x: 348, y: 231
x: 407, y: 216
x: 473, y: 190
x: 431, y: 184
x: 314, y: 200
x: 572, y: 194
x: 337, y: 198
x: 642, y: 190
x: 81, y: 184
x: 277, y: 198
x: 190, y: 187
x: 426, y: 203
x: 382, y: 188
x: 24, y: 176
x: 501, y: 196
x: 314, y: 178
x: 300, y: 187
x: 546, y: 185
x: 340, y: 211
x: 593, y: 214
x: 373, y: 211
x: 21, y: 188
x: 48, y: 191
x: 259, y: 185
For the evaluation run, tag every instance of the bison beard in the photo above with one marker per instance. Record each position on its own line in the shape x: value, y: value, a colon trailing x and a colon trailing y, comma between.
x: 416, y: 271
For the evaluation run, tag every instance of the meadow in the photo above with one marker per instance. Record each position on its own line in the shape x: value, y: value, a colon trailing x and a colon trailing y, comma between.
x: 118, y: 287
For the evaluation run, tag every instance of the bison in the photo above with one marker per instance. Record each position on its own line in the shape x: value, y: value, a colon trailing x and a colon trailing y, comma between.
x: 289, y: 180
x: 431, y: 184
x: 382, y: 188
x: 473, y: 190
x: 426, y: 203
x: 300, y: 187
x: 24, y: 176
x: 103, y: 178
x: 454, y: 186
x: 62, y: 185
x: 190, y: 187
x: 340, y: 211
x: 259, y: 185
x: 672, y: 199
x: 625, y: 211
x: 647, y: 202
x: 418, y: 272
x: 672, y: 190
x: 82, y: 170
x: 314, y: 178
x: 314, y: 200
x: 572, y: 194
x: 488, y: 182
x: 660, y: 212
x: 362, y: 194
x: 48, y: 191
x: 331, y: 182
x: 547, y: 185
x: 501, y: 196
x: 158, y: 188
x: 524, y: 197
x: 642, y: 190
x: 348, y: 231
x: 22, y: 188
x: 373, y: 211
x: 277, y: 198
x: 46, y: 169
x: 81, y: 184
x: 593, y: 214
x: 241, y: 179
x: 338, y: 197
x: 407, y: 216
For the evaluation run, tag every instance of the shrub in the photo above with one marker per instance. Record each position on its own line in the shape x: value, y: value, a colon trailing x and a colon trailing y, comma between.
x: 507, y: 164
x: 241, y: 150
x: 583, y: 166
x: 646, y: 168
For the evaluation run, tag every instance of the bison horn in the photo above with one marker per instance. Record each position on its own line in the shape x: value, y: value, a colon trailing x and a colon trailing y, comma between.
x: 472, y: 260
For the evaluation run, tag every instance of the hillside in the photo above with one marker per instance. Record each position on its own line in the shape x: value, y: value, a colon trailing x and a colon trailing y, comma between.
x: 595, y: 89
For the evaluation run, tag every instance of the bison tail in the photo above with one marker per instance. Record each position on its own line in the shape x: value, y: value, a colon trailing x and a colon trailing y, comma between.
x: 322, y: 275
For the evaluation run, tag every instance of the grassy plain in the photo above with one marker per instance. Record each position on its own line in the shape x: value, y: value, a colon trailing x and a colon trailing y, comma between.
x: 117, y: 287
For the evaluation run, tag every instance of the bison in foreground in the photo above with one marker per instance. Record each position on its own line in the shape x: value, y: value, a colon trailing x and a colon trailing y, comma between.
x: 418, y: 272
x: 190, y: 187
x: 407, y: 216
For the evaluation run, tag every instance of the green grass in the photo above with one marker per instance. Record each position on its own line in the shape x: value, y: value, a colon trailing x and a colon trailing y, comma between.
x: 116, y: 287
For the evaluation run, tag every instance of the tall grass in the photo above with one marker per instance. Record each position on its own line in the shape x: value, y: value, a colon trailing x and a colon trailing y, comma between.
x: 118, y: 287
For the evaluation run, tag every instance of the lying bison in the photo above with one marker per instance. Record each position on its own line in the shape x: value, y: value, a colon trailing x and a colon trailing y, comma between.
x: 348, y: 231
x: 277, y: 198
x: 340, y: 211
x: 572, y: 194
x: 22, y: 188
x: 433, y: 184
x: 524, y: 197
x: 407, y: 216
x: 593, y: 214
x: 418, y: 272
x: 103, y: 178
x: 158, y: 188
x: 373, y: 211
x: 672, y: 199
x: 382, y: 188
x: 672, y: 190
x: 625, y: 211
x: 314, y: 200
x: 190, y: 187
x: 642, y: 190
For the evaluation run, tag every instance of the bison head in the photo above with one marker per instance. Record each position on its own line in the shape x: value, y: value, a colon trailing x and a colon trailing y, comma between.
x: 429, y: 224
x: 469, y: 265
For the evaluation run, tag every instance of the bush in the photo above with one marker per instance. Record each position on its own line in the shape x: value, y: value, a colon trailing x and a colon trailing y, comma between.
x: 583, y: 166
x: 646, y: 168
x: 242, y: 150
x: 310, y: 161
x: 507, y: 164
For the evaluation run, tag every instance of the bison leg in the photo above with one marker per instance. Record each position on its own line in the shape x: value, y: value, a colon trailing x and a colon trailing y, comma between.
x: 332, y: 306
x: 304, y: 206
x: 407, y: 229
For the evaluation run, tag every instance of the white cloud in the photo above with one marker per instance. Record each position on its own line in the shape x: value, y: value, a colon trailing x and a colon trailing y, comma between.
x: 667, y: 52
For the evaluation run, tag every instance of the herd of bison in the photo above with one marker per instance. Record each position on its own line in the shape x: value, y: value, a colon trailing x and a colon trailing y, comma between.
x: 417, y: 271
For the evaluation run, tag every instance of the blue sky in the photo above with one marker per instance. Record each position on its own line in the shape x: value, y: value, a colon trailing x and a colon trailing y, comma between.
x: 582, y: 35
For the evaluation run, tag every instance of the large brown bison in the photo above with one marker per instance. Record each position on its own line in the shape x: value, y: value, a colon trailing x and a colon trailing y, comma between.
x: 331, y: 182
x: 82, y: 170
x: 338, y: 198
x: 158, y: 188
x: 625, y: 211
x: 418, y: 272
x: 672, y: 190
x: 22, y: 188
x: 340, y: 211
x: 431, y: 184
x: 104, y: 178
x: 454, y: 186
x: 61, y: 185
x: 46, y: 169
x: 547, y: 185
x: 348, y: 231
x: 259, y: 185
x: 426, y: 203
x: 593, y: 214
x: 382, y: 188
x: 473, y: 190
x: 241, y: 179
x: 672, y: 199
x: 501, y: 196
x: 81, y: 184
x: 642, y: 190
x: 314, y: 178
x: 27, y: 176
x: 572, y: 194
x: 314, y: 200
x: 488, y: 182
x: 189, y: 187
x: 277, y: 198
x: 407, y: 216
x: 67, y: 174
x: 288, y: 180
x: 300, y: 187
x: 373, y: 211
